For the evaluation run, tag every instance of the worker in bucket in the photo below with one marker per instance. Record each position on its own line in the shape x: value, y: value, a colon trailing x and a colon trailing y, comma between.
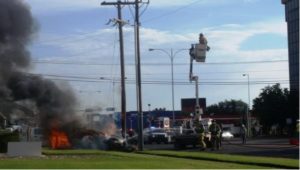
x: 199, y: 129
x: 203, y: 40
x: 215, y: 131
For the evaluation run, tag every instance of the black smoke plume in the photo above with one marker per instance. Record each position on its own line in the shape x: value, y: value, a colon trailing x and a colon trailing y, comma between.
x: 54, y: 105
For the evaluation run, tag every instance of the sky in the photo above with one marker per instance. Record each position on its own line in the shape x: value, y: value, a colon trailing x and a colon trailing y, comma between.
x: 75, y: 44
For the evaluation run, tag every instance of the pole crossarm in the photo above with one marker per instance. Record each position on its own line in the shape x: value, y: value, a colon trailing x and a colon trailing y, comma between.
x: 116, y: 21
x: 117, y: 3
x: 122, y: 3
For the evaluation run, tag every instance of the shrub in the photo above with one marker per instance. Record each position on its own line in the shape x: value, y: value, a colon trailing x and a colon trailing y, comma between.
x: 5, y: 137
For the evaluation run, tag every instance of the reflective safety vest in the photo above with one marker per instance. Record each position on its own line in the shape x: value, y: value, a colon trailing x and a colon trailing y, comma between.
x: 199, y: 128
x: 214, y: 129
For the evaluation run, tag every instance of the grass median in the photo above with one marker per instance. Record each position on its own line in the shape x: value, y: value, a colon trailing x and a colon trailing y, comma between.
x: 94, y: 159
x: 240, y: 159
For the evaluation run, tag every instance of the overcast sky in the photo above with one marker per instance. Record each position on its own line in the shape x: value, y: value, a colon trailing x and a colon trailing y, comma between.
x: 245, y: 36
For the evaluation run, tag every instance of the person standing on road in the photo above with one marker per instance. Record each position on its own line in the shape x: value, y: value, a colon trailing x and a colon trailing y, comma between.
x: 199, y: 129
x: 243, y: 132
x: 215, y: 130
x: 220, y: 136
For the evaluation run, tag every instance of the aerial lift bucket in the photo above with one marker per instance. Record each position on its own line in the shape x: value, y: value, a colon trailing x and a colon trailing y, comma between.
x: 199, y: 52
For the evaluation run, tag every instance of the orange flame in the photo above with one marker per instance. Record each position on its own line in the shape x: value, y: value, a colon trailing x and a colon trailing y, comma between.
x: 59, y: 140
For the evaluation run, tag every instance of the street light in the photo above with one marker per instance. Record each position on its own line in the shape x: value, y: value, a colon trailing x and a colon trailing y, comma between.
x: 249, y: 104
x: 172, y: 55
x: 149, y: 115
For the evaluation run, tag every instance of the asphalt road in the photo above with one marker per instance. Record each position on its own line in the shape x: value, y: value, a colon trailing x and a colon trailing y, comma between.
x: 278, y: 147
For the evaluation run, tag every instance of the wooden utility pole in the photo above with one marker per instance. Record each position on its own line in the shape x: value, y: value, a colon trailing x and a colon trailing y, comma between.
x: 123, y: 88
x: 138, y: 68
x: 138, y: 77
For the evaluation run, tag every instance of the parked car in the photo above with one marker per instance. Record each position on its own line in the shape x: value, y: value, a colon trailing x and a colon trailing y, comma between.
x: 226, y: 133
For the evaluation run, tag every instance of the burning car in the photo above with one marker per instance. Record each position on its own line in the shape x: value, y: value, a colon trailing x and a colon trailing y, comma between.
x: 89, y: 139
x: 119, y: 144
x: 59, y: 140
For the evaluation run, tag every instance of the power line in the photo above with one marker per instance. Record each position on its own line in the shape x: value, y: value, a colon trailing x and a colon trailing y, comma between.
x: 109, y: 79
x: 63, y: 38
x: 186, y: 73
x: 113, y: 70
x: 219, y: 72
x: 171, y: 12
x: 161, y: 82
x: 70, y: 40
x: 157, y: 64
x: 88, y: 50
x: 181, y: 83
x: 66, y: 76
x: 145, y: 9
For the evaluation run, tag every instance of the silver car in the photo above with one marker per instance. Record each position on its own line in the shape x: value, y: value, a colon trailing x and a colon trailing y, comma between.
x: 159, y: 135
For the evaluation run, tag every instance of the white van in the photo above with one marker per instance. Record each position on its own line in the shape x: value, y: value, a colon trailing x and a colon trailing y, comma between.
x: 34, y: 134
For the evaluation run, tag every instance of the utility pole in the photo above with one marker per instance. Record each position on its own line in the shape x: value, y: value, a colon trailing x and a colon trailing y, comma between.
x: 138, y: 67
x: 120, y: 23
x: 138, y: 76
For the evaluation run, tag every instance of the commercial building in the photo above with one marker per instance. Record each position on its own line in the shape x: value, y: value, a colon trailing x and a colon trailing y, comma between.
x: 188, y: 105
x: 292, y: 19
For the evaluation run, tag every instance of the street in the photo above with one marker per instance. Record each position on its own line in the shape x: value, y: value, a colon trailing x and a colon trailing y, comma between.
x: 278, y: 147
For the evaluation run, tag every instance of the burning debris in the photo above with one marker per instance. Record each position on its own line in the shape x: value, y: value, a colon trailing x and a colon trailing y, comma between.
x: 53, y: 104
x: 59, y: 140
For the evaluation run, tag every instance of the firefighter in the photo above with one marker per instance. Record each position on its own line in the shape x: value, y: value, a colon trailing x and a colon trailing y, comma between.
x: 199, y: 129
x: 215, y: 131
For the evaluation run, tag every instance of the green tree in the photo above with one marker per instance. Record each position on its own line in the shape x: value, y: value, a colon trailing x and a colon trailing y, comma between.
x: 228, y: 107
x: 271, y: 106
